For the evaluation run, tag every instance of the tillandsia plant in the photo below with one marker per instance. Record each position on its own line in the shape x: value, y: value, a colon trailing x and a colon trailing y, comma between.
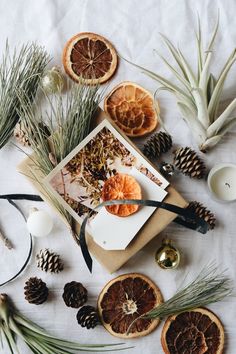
x: 198, y: 95
x: 54, y: 133
x: 208, y: 287
x: 21, y: 70
x: 13, y: 325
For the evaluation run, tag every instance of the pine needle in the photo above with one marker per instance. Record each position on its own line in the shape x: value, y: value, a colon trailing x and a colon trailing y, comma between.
x: 67, y: 122
x: 23, y: 71
x: 208, y: 287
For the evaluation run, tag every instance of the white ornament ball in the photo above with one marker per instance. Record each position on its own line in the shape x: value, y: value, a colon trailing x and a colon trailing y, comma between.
x: 53, y: 81
x: 39, y: 223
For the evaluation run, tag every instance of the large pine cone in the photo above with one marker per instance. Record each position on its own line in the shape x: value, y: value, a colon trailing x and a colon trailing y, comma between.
x: 87, y: 317
x: 49, y: 261
x: 36, y: 291
x: 157, y: 144
x: 202, y: 212
x: 189, y: 163
x: 75, y: 295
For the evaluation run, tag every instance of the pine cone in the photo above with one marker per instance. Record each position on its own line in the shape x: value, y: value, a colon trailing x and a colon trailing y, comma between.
x: 157, y: 144
x: 188, y: 162
x: 36, y: 291
x: 75, y: 294
x: 49, y: 261
x: 87, y: 317
x: 201, y: 211
x: 21, y: 132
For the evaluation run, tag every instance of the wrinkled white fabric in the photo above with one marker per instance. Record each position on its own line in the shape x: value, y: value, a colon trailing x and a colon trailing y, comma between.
x: 133, y: 26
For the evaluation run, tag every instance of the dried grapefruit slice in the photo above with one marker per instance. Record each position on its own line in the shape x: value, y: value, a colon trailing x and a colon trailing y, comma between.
x: 197, y: 331
x: 124, y: 299
x: 131, y: 107
x: 89, y: 57
x: 121, y: 186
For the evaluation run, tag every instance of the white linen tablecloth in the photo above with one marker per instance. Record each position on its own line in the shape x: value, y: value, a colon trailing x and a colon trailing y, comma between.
x: 133, y: 26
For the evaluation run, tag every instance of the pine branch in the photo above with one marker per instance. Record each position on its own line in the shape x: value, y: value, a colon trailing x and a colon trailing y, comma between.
x: 21, y: 70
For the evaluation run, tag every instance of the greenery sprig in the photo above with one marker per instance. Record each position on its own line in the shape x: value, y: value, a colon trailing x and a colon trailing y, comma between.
x: 208, y: 287
x: 21, y: 70
x: 14, y: 325
x: 54, y: 133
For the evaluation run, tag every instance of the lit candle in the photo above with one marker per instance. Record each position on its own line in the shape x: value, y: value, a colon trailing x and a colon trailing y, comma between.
x: 222, y: 182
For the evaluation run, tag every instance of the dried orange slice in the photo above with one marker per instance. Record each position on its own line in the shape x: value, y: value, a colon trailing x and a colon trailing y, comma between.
x: 89, y: 57
x: 131, y: 107
x: 121, y: 186
x: 197, y: 331
x: 123, y: 300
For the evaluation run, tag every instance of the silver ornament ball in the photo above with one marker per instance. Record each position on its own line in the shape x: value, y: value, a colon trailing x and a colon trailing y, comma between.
x: 53, y: 81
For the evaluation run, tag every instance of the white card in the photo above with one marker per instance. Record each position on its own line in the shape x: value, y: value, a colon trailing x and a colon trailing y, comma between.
x: 77, y: 182
x: 112, y: 232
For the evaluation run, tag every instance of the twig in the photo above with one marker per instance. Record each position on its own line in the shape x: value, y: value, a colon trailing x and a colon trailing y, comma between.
x: 6, y: 241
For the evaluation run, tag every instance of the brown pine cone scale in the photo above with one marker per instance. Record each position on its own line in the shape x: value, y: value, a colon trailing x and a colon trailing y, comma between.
x: 157, y: 144
x: 36, y: 291
x: 202, y: 212
x: 75, y: 295
x: 49, y: 261
x: 87, y: 317
x: 189, y: 163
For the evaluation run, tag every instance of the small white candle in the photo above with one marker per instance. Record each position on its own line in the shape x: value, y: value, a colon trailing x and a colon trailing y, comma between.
x: 222, y: 181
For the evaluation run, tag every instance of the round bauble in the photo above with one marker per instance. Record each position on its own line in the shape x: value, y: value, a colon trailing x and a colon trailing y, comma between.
x: 167, y: 256
x: 53, y: 81
x: 39, y: 223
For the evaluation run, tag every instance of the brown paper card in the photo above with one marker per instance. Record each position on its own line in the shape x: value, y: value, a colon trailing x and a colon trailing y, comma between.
x: 113, y: 260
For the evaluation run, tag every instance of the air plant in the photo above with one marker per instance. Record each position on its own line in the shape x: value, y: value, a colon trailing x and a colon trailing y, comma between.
x: 14, y: 325
x: 198, y: 95
x: 21, y: 70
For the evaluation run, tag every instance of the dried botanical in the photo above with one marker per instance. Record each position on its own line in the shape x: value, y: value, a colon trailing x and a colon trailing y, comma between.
x: 208, y: 287
x: 68, y: 121
x: 94, y: 163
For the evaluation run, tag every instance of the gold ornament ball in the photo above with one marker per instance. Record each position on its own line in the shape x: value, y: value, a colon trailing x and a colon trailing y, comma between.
x: 167, y: 256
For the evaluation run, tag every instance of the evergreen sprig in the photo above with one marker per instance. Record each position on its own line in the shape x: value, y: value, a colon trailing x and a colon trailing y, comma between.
x: 21, y: 70
x: 54, y: 133
x: 208, y: 287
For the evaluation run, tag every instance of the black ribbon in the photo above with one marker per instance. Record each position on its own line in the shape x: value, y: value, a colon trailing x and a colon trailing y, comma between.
x: 185, y: 217
x: 10, y: 198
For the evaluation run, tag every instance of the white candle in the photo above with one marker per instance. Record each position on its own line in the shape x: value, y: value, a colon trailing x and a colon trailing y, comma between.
x: 222, y: 181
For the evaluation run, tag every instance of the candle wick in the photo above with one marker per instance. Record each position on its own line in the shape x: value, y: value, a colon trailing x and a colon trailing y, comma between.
x: 227, y: 184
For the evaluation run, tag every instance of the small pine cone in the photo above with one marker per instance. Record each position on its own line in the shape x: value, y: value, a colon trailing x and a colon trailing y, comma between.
x: 157, y: 144
x: 20, y: 133
x: 201, y: 211
x: 75, y: 295
x: 49, y: 261
x: 87, y: 317
x: 189, y: 163
x: 36, y: 291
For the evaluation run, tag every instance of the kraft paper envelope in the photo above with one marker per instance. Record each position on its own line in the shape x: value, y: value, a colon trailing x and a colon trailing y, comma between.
x: 113, y: 260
